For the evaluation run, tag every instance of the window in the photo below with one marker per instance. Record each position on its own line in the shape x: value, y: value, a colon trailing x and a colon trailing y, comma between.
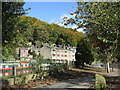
x: 65, y: 55
x: 65, y: 51
x: 58, y: 55
x: 53, y: 54
x: 53, y: 49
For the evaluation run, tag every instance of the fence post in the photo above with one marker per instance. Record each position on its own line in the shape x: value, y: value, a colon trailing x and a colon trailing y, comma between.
x: 14, y: 73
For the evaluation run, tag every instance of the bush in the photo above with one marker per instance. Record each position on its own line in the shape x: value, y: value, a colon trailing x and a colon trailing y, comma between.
x: 100, y: 83
x: 55, y: 67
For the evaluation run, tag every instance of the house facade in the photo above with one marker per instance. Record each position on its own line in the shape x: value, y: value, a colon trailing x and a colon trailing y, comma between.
x: 51, y: 52
x: 58, y: 53
x: 23, y: 53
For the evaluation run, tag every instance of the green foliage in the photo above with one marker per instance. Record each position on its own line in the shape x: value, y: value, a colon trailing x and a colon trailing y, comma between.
x: 37, y: 66
x: 100, y: 82
x: 84, y: 53
x: 10, y: 17
x: 52, y: 66
x: 49, y: 33
x: 8, y: 53
x: 55, y: 67
x: 101, y: 23
x: 32, y: 53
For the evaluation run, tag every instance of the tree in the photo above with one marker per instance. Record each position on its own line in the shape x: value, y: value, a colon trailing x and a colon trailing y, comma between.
x: 101, y: 23
x: 40, y: 35
x: 84, y: 53
x: 32, y: 53
x: 10, y: 17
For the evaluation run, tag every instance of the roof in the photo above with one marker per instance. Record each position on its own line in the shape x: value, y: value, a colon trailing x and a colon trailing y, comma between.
x: 23, y: 48
x: 61, y: 48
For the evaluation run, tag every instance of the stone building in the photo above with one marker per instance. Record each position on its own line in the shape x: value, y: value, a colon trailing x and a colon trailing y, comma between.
x: 22, y: 52
x: 51, y: 52
x: 58, y: 53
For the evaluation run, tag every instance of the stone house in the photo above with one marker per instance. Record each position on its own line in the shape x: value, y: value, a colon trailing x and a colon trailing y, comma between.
x: 51, y: 52
x: 22, y: 52
x: 57, y: 53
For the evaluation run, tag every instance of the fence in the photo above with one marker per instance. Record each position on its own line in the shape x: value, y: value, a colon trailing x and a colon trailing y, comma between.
x: 6, y: 69
x: 53, y: 65
x: 15, y: 69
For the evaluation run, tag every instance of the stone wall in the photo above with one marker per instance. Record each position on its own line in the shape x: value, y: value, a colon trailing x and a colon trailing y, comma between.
x: 22, y: 79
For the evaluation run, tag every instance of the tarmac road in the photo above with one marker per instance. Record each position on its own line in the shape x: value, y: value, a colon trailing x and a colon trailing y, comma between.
x: 78, y: 83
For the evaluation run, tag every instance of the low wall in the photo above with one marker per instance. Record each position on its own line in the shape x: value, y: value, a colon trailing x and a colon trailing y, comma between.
x: 23, y: 79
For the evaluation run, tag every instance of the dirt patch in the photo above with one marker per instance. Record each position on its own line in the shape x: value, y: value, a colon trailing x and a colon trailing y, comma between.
x: 32, y: 84
x: 70, y: 74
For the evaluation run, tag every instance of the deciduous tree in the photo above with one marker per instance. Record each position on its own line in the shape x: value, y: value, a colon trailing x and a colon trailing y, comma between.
x: 101, y: 23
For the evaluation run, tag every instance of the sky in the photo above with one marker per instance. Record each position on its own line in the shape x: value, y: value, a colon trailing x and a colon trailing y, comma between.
x: 51, y: 12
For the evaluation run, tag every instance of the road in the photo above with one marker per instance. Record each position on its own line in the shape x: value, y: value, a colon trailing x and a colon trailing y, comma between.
x: 78, y: 83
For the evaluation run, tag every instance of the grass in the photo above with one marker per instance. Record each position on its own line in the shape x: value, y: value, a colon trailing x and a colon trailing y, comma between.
x: 94, y: 70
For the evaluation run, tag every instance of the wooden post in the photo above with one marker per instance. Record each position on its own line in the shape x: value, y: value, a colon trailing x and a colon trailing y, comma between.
x: 14, y: 73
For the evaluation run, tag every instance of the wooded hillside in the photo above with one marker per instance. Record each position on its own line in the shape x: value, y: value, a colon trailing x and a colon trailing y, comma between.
x: 33, y: 30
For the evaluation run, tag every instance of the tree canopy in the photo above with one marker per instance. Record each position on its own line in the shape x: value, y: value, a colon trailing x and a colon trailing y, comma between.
x: 101, y: 23
x: 10, y: 17
x: 43, y: 32
x: 84, y: 53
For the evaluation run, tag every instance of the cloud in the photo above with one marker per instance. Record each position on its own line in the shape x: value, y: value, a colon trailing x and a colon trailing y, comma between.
x: 61, y: 23
x: 80, y: 29
x: 74, y: 27
x: 52, y: 21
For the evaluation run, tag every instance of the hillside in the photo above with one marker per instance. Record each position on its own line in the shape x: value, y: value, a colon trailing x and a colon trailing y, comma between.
x: 36, y: 31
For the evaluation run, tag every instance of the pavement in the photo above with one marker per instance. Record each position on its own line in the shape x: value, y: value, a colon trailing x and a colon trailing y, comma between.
x: 77, y: 83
